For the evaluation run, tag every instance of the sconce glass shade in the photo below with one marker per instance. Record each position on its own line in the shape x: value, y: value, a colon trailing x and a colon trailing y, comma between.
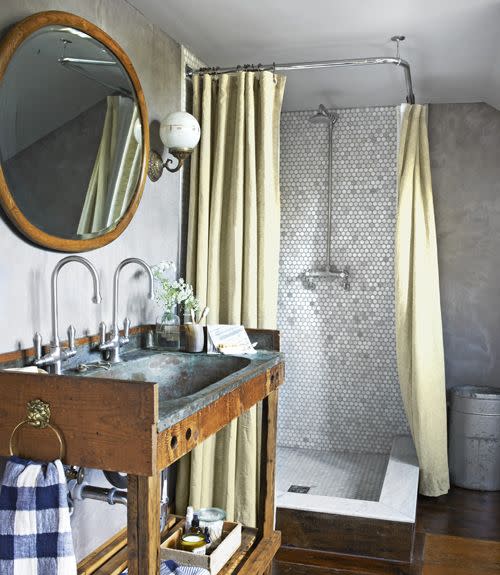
x: 180, y: 131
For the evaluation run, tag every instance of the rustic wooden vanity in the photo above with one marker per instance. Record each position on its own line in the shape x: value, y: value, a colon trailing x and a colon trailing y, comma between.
x: 133, y: 426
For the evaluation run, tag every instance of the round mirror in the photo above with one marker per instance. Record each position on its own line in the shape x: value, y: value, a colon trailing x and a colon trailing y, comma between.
x: 73, y: 133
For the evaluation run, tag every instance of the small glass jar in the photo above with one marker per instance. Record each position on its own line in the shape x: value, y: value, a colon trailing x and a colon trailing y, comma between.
x: 168, y: 333
x: 194, y: 543
x: 213, y: 518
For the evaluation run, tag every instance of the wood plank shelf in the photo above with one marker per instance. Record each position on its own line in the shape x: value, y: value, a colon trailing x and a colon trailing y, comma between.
x: 103, y: 554
x: 253, y: 557
x: 113, y: 552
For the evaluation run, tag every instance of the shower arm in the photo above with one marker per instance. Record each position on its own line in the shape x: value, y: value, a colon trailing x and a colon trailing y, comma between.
x: 396, y: 61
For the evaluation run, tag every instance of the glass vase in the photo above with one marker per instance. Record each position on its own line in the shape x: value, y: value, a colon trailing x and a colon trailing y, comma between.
x: 168, y: 333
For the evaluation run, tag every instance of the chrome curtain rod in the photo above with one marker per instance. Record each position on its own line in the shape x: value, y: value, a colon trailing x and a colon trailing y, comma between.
x: 410, y: 96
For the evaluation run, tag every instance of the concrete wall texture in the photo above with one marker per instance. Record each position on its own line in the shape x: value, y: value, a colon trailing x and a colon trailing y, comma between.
x: 152, y: 235
x: 465, y: 161
x: 49, y: 165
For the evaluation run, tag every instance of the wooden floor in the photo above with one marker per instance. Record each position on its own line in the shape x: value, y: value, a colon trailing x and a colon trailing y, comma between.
x: 457, y: 534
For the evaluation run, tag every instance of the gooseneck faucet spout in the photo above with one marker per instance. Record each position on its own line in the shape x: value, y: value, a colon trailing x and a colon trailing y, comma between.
x: 116, y: 281
x: 113, y: 345
x: 96, y: 298
x: 57, y: 355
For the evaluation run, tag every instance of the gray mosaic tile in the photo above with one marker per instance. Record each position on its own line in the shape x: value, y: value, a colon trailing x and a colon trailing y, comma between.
x: 331, y: 474
x: 342, y: 391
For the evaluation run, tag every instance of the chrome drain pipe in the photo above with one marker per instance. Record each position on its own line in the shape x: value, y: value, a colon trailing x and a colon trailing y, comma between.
x: 112, y: 496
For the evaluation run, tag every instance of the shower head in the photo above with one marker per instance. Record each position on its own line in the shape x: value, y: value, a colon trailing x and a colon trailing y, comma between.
x: 323, y: 116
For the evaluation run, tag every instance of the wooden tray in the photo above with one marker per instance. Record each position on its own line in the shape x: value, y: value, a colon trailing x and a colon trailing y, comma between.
x: 231, y: 542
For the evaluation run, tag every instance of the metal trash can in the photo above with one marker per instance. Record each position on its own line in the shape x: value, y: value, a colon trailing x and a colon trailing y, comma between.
x: 475, y: 437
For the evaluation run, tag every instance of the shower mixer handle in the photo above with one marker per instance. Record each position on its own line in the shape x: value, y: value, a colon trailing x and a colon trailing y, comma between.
x: 345, y: 275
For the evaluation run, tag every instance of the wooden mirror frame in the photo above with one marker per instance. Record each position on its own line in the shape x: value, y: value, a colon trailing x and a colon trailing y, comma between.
x: 10, y: 43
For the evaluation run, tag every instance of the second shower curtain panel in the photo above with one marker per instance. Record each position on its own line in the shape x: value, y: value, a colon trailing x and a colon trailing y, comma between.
x: 419, y: 330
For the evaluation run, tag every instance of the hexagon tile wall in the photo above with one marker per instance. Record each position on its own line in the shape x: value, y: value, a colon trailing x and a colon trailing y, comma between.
x: 342, y: 390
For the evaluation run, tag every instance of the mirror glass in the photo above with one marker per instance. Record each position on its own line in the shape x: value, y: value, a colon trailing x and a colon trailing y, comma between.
x: 70, y: 133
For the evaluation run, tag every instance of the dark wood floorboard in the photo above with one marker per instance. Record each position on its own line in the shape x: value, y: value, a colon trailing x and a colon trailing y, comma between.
x: 280, y: 568
x: 459, y: 555
x: 457, y: 534
x: 462, y: 512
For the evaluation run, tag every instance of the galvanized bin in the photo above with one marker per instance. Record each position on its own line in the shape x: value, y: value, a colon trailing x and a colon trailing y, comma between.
x: 475, y: 437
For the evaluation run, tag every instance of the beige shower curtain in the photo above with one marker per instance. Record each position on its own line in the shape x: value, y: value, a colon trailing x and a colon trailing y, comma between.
x: 116, y: 168
x: 232, y: 261
x: 419, y: 338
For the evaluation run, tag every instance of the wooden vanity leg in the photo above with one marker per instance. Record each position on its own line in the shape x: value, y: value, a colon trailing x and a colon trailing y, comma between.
x: 143, y: 525
x: 268, y: 467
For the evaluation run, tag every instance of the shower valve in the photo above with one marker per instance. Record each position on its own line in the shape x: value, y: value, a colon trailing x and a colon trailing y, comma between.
x: 345, y: 275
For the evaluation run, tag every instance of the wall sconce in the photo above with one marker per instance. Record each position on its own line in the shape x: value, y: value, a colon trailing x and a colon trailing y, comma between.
x: 180, y: 133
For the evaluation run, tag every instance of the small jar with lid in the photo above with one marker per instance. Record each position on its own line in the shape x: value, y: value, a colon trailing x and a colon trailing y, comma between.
x: 212, y: 518
x: 194, y: 543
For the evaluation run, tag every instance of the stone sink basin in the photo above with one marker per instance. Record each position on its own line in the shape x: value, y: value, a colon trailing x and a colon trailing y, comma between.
x: 186, y: 382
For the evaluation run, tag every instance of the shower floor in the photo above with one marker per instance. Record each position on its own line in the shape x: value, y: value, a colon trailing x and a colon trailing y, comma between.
x: 332, y: 474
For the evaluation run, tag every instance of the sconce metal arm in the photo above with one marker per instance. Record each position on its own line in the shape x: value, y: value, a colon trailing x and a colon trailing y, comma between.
x: 156, y: 164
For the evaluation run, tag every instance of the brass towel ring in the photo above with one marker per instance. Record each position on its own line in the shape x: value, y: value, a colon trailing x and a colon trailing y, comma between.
x: 39, y: 417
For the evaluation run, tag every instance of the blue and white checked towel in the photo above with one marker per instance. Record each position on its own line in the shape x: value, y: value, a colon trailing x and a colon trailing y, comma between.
x: 35, y: 530
x: 171, y: 568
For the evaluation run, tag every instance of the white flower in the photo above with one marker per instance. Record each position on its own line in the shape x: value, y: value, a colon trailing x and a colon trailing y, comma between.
x: 164, y: 268
x: 171, y: 292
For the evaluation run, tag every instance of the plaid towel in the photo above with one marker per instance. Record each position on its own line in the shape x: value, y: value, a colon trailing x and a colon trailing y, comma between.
x: 171, y: 568
x: 35, y: 531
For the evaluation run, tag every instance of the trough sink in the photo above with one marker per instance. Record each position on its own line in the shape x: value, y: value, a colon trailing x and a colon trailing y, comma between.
x: 186, y: 382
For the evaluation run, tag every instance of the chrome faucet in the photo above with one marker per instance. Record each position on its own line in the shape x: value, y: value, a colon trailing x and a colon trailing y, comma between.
x: 56, y: 356
x: 116, y: 341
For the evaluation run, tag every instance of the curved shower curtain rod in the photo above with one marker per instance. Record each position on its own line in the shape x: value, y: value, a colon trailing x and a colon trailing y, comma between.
x: 410, y: 96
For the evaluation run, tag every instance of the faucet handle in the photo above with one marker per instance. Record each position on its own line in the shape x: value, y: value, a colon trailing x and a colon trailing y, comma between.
x: 37, y: 342
x: 346, y: 278
x: 126, y: 328
x: 71, y: 338
x: 102, y: 333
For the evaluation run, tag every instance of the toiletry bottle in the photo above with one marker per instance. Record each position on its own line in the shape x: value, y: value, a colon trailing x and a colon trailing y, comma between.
x: 195, y: 526
x: 163, y: 503
x: 208, y: 541
x: 189, y: 519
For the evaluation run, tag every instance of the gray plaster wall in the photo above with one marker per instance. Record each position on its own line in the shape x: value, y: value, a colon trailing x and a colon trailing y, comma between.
x: 48, y: 164
x: 465, y: 161
x: 153, y: 233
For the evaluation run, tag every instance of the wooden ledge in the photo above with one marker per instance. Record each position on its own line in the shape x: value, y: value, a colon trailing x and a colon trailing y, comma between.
x: 96, y: 418
x: 182, y: 437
